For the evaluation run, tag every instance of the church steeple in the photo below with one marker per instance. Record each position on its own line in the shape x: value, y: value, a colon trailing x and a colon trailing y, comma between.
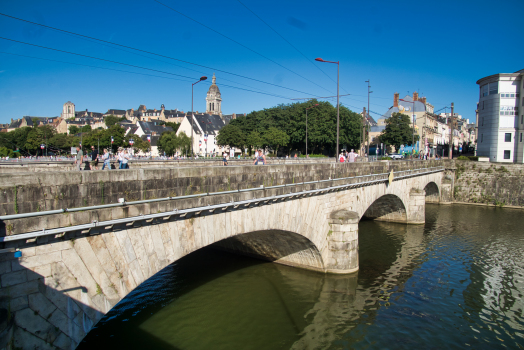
x: 214, y: 99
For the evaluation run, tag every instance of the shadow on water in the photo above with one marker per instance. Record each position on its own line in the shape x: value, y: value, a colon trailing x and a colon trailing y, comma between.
x: 213, y: 299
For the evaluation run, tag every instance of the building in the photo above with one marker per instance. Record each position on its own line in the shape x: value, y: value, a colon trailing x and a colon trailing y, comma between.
x: 214, y: 99
x: 501, y: 117
x: 421, y: 113
x: 206, y: 128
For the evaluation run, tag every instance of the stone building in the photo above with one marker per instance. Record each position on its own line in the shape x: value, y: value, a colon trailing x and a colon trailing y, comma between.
x: 214, y: 99
x: 68, y: 110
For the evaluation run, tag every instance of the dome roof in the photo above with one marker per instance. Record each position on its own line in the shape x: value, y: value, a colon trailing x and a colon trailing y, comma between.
x: 213, y: 89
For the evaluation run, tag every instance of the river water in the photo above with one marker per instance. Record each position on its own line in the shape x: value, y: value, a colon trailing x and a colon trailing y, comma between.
x: 456, y: 282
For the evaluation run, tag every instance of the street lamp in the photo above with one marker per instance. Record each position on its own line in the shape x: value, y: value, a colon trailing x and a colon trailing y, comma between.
x: 193, y: 113
x: 306, y: 123
x: 413, y: 133
x: 338, y: 105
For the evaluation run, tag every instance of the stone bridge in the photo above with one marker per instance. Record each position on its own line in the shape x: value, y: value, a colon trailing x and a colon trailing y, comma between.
x: 71, y: 268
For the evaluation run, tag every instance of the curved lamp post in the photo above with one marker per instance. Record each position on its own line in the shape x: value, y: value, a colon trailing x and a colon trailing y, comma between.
x: 338, y: 105
x: 315, y: 105
x: 193, y: 113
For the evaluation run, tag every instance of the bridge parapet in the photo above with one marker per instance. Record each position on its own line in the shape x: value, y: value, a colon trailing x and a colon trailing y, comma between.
x: 33, y: 192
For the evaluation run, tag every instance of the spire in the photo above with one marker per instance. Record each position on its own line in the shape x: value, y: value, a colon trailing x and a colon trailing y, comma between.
x: 214, y: 79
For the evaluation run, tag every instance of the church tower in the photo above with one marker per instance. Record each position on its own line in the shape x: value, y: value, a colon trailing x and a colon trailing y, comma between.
x: 214, y: 99
x: 68, y: 110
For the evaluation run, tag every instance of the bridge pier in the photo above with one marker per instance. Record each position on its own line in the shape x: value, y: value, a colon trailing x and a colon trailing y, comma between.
x: 416, y: 207
x: 342, y: 242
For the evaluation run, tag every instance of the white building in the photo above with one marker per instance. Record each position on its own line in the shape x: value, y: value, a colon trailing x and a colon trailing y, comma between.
x: 501, y: 117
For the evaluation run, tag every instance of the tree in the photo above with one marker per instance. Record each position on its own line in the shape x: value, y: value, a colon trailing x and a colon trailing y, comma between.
x: 138, y: 143
x: 111, y: 120
x: 73, y: 129
x: 276, y: 138
x: 232, y: 136
x: 170, y: 142
x: 398, y: 131
x: 87, y: 128
x: 254, y: 140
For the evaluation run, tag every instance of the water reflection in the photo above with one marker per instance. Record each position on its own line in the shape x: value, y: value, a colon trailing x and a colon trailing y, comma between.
x: 455, y: 282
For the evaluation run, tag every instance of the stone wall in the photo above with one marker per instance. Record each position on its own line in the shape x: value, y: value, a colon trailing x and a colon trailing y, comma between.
x: 41, y: 191
x: 62, y: 285
x: 489, y: 183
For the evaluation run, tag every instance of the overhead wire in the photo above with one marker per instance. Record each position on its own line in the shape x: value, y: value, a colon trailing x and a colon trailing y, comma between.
x: 287, y: 41
x: 152, y: 53
x: 132, y: 65
x: 238, y: 43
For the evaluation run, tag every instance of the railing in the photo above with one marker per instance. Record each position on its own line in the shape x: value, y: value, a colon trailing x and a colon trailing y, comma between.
x: 224, y: 206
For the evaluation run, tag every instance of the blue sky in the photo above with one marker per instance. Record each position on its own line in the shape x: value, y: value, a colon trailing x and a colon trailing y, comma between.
x: 437, y: 48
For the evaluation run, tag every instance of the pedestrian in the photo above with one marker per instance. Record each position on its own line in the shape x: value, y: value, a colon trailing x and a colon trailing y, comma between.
x: 262, y: 157
x: 94, y: 158
x: 295, y: 156
x: 105, y: 158
x: 352, y: 156
x: 255, y: 162
x: 341, y: 158
x: 120, y: 157
x: 224, y: 158
x: 125, y: 159
x: 79, y: 158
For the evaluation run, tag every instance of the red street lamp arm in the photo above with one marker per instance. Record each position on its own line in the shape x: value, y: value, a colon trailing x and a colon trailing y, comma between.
x: 321, y: 60
x: 312, y: 106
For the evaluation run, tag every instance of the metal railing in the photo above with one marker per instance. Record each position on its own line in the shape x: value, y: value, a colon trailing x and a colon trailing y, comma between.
x: 224, y: 206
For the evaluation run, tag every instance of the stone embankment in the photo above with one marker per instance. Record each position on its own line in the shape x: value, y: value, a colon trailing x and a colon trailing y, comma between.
x: 499, y: 184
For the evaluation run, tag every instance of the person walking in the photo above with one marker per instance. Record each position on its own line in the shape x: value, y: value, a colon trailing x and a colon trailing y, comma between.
x: 352, y: 156
x: 120, y: 157
x: 341, y: 157
x: 125, y: 159
x: 79, y: 158
x: 94, y: 158
x: 224, y: 158
x: 261, y: 157
x: 105, y: 158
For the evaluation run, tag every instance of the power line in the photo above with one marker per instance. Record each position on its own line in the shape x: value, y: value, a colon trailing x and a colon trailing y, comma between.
x: 287, y: 41
x: 134, y: 66
x: 152, y: 53
x: 238, y: 43
x: 90, y: 66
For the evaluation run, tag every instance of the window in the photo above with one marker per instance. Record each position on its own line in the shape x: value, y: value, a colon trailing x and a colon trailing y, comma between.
x: 507, y: 137
x: 494, y: 88
x: 507, y: 154
x: 484, y: 90
x: 520, y: 137
x: 482, y: 104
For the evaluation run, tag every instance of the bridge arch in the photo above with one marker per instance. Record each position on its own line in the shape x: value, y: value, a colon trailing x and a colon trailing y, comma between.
x: 432, y: 192
x: 388, y: 207
x: 284, y: 247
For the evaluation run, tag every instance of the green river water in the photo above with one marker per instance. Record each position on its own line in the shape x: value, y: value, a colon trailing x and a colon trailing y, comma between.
x: 456, y: 282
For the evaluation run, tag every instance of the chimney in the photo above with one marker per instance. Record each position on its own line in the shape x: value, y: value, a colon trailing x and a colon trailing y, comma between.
x: 395, y: 99
x: 154, y: 110
x: 415, y: 96
x: 423, y: 100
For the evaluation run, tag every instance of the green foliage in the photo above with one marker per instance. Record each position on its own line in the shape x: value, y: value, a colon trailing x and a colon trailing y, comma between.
x: 73, y: 129
x: 231, y: 135
x: 86, y: 128
x: 111, y: 120
x: 174, y: 125
x: 276, y: 138
x: 463, y: 158
x: 474, y: 158
x: 398, y: 131
x: 170, y: 143
x: 291, y: 120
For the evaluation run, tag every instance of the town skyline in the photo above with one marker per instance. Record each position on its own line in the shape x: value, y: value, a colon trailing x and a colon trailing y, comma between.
x: 374, y: 41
